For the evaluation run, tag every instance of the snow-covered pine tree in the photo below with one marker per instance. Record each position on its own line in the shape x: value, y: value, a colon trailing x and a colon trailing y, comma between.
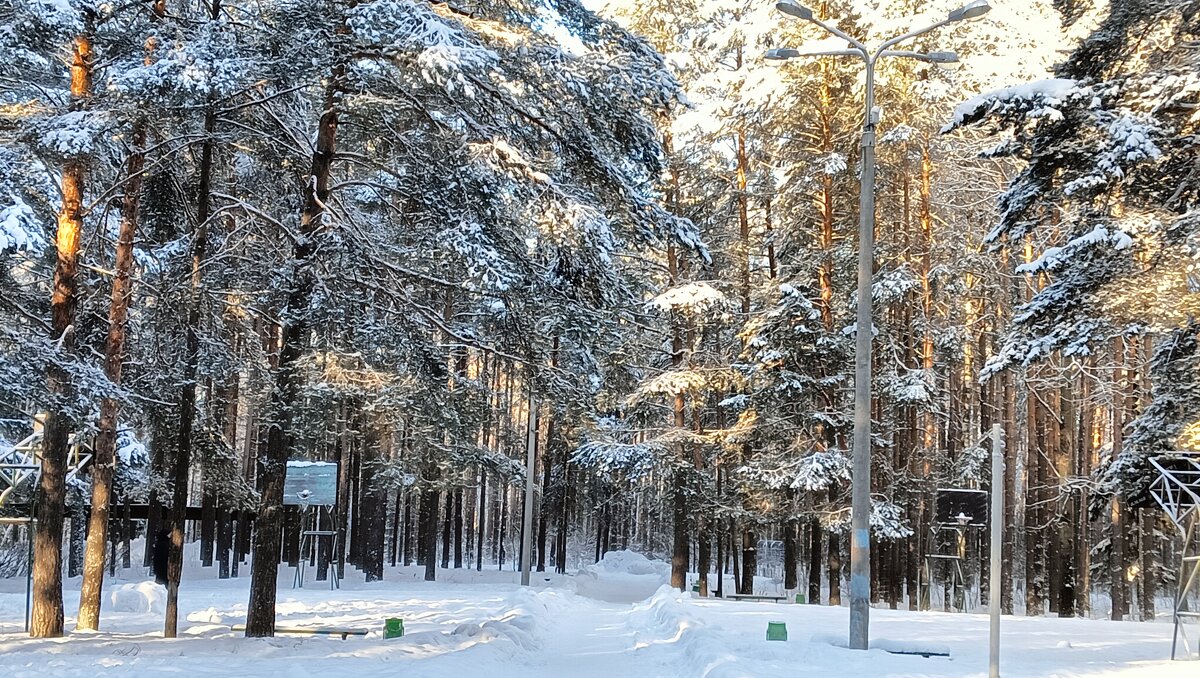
x: 1106, y: 190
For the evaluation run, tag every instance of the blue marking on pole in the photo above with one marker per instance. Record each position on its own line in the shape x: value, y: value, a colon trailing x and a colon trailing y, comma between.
x: 862, y: 539
x: 860, y: 585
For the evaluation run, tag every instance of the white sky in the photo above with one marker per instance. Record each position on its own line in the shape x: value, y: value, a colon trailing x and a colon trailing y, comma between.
x: 1018, y: 41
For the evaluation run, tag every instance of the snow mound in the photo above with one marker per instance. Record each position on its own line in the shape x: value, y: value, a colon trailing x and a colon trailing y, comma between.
x: 209, y: 616
x: 622, y: 577
x: 631, y: 562
x: 516, y: 625
x: 666, y: 618
x: 144, y: 596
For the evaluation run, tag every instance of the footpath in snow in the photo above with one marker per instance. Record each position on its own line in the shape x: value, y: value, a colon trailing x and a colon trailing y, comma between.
x: 563, y: 627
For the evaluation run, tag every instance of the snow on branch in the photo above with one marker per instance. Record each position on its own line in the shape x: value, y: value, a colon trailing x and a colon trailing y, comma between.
x: 887, y: 521
x: 1054, y: 257
x: 820, y: 470
x: 1129, y: 143
x: 73, y: 134
x: 211, y: 66
x: 692, y: 298
x: 19, y: 229
x: 674, y: 382
x: 444, y: 48
x: 505, y: 155
x: 486, y: 268
x: 630, y: 459
x: 1041, y: 98
x: 913, y: 387
x: 892, y: 286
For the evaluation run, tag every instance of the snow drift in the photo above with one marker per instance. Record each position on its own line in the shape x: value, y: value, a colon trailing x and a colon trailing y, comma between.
x: 622, y: 577
x: 146, y: 596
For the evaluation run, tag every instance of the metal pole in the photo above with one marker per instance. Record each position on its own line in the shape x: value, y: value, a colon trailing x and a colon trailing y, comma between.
x: 37, y: 493
x: 997, y: 547
x: 527, y: 518
x: 860, y: 511
x: 29, y: 570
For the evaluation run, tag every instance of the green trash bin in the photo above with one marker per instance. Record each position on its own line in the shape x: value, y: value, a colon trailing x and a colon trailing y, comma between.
x: 393, y: 628
x: 696, y: 587
x: 799, y: 598
x: 776, y: 630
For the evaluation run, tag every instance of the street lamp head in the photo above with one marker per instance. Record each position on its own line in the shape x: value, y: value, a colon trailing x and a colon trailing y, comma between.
x: 781, y: 54
x: 794, y: 9
x: 971, y: 10
x: 942, y: 57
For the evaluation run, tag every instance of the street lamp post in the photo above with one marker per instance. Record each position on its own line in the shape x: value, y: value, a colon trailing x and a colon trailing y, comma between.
x: 860, y: 511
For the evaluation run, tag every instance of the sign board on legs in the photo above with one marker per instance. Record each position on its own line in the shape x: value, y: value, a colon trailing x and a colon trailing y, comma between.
x: 310, y: 483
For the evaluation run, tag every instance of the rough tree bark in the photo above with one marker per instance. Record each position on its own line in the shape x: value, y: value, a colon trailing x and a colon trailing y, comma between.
x: 482, y: 513
x: 547, y: 505
x: 374, y: 503
x: 342, y: 510
x: 790, y: 555
x: 680, y: 538
x: 260, y: 614
x: 187, y: 396
x: 46, y: 617
x: 447, y: 525
x: 104, y: 461
x: 814, y: 562
x: 430, y: 498
x: 458, y: 528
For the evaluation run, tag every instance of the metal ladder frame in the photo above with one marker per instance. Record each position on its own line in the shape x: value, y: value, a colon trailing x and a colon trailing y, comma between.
x: 1177, y: 491
x: 310, y: 540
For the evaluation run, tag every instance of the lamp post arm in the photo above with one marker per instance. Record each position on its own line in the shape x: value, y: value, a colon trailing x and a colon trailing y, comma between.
x: 832, y: 52
x: 905, y: 54
x: 843, y: 35
x: 908, y: 36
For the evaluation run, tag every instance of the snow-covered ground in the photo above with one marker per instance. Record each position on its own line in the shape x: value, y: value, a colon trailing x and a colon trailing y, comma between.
x: 484, y: 624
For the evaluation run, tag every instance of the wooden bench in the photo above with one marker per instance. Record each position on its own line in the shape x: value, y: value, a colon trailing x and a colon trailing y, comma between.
x: 744, y: 596
x: 310, y: 631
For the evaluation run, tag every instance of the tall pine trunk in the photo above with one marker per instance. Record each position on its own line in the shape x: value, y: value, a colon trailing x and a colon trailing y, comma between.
x: 187, y: 397
x: 458, y: 528
x: 447, y: 525
x: 104, y: 461
x: 46, y: 617
x: 546, y: 509
x: 260, y: 614
x: 430, y: 498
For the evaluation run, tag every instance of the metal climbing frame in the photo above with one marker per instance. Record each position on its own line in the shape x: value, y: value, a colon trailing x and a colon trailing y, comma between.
x: 314, y: 534
x: 24, y: 460
x: 958, y: 513
x: 1177, y: 491
x: 23, y: 463
x: 7, y: 471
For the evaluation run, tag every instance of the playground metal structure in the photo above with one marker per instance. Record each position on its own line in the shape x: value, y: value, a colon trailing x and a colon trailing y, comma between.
x: 21, y: 465
x: 1177, y: 491
x: 312, y: 488
x: 950, y: 531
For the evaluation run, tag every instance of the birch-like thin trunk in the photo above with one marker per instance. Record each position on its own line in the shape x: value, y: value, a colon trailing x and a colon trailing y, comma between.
x: 1119, y: 590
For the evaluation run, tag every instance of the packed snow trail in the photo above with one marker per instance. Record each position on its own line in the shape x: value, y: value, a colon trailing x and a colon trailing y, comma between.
x: 484, y: 624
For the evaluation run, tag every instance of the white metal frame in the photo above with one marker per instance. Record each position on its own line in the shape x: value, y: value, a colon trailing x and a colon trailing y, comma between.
x: 24, y: 461
x: 311, y: 536
x: 1177, y: 491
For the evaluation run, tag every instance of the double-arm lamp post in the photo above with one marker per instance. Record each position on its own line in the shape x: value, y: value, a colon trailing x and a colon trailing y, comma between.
x: 860, y: 538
